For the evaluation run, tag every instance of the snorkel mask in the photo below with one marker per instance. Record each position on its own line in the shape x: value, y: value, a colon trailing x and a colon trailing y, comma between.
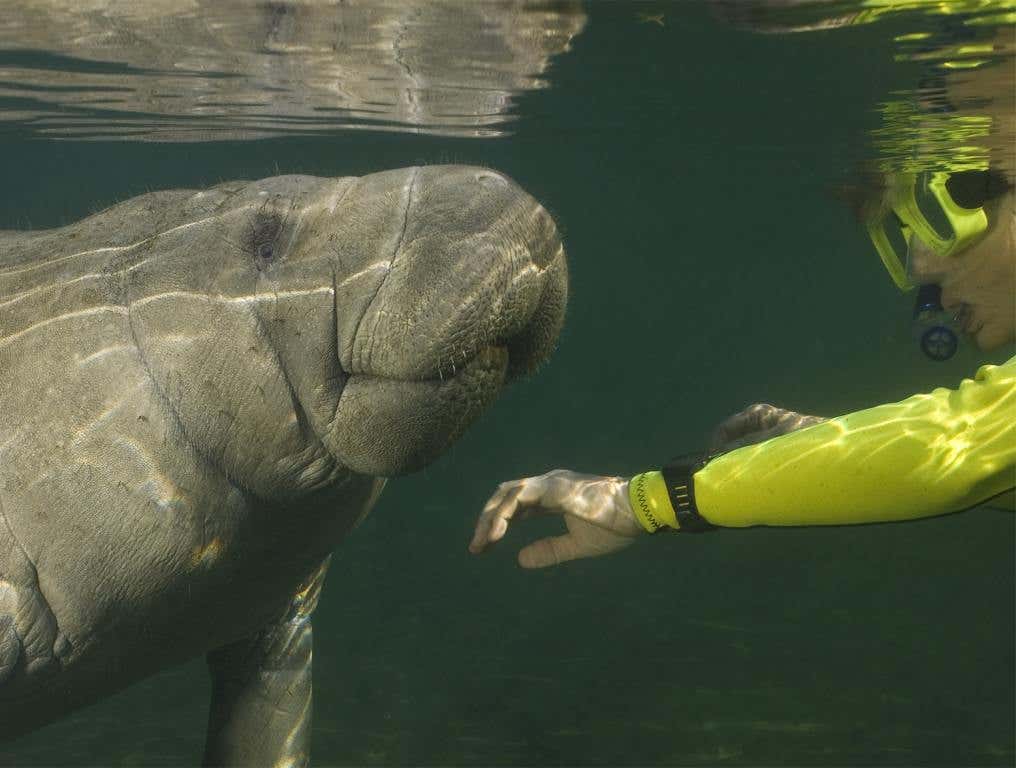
x: 920, y: 205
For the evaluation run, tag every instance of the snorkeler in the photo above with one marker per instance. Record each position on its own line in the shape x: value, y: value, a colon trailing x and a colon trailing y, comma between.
x: 952, y: 237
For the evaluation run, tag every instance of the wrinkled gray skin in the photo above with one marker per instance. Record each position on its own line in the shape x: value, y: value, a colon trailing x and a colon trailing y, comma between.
x: 201, y: 393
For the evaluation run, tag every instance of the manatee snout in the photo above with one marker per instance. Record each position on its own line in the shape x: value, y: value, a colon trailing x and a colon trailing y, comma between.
x: 474, y: 297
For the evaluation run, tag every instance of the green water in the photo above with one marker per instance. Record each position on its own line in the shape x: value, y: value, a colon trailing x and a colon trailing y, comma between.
x: 688, y: 165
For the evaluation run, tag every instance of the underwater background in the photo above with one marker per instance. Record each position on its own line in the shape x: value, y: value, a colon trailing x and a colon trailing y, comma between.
x: 692, y: 164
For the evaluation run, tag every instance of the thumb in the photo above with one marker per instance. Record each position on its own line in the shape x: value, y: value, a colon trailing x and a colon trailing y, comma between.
x: 550, y: 551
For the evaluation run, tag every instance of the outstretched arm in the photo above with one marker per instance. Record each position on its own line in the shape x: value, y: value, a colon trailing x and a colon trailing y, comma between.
x: 927, y: 455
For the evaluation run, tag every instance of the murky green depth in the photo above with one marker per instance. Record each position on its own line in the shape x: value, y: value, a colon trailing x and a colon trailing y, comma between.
x: 689, y: 166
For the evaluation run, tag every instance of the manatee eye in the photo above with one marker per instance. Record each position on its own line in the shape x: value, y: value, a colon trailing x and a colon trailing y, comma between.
x: 262, y: 235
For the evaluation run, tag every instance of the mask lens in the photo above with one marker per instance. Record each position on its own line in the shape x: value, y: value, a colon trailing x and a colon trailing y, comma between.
x: 972, y: 189
x: 932, y: 213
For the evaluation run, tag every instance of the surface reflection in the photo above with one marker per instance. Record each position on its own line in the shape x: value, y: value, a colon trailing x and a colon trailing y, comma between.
x: 961, y: 116
x: 200, y: 70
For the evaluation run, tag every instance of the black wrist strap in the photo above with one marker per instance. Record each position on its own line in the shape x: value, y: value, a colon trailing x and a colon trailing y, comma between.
x: 678, y: 476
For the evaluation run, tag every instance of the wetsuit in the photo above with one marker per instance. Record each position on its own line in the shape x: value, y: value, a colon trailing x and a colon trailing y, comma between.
x: 929, y: 454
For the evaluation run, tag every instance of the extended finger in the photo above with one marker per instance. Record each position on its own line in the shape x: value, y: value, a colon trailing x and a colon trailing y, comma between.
x: 552, y: 550
x: 507, y: 503
x: 791, y: 421
x: 741, y: 428
x: 788, y: 422
x: 759, y: 436
x: 493, y: 520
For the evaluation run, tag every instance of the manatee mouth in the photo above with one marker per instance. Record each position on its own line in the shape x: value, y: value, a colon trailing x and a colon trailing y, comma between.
x: 523, y: 350
x: 418, y: 328
x: 389, y: 427
x: 418, y: 379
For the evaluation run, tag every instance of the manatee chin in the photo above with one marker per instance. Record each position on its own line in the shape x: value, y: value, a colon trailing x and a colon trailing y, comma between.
x: 474, y: 298
x: 410, y: 423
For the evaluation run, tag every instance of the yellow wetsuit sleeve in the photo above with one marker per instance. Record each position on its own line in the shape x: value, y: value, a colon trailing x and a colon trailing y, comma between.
x: 927, y: 455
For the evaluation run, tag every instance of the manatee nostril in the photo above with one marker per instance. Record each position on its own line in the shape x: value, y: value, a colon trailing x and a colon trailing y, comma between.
x: 544, y: 257
x: 545, y: 242
x: 265, y: 252
x: 492, y: 180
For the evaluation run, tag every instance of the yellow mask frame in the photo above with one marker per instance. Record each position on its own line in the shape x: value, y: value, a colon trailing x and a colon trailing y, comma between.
x: 919, y: 205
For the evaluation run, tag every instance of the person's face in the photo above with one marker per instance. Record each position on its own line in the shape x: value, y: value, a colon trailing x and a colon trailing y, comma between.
x: 979, y: 284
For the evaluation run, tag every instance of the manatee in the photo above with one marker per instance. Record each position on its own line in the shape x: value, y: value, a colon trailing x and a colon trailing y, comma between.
x: 203, y: 391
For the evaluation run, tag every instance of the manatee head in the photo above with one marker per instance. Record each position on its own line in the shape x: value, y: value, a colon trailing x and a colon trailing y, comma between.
x: 472, y: 295
x: 305, y: 327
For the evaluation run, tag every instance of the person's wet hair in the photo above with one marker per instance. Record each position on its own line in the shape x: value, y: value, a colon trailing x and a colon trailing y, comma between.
x: 861, y: 194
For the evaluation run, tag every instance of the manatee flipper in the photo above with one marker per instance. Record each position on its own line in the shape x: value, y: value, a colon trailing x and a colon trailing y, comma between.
x: 30, y: 640
x: 261, y: 690
x: 10, y: 646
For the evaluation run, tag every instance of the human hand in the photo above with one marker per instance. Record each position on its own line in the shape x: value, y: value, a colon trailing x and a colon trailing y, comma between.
x: 596, y: 512
x: 757, y: 423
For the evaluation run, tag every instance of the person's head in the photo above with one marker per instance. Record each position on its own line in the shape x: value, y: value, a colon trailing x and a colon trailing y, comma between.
x: 956, y: 232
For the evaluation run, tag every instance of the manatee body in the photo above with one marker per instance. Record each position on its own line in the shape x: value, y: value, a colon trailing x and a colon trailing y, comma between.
x: 201, y: 393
